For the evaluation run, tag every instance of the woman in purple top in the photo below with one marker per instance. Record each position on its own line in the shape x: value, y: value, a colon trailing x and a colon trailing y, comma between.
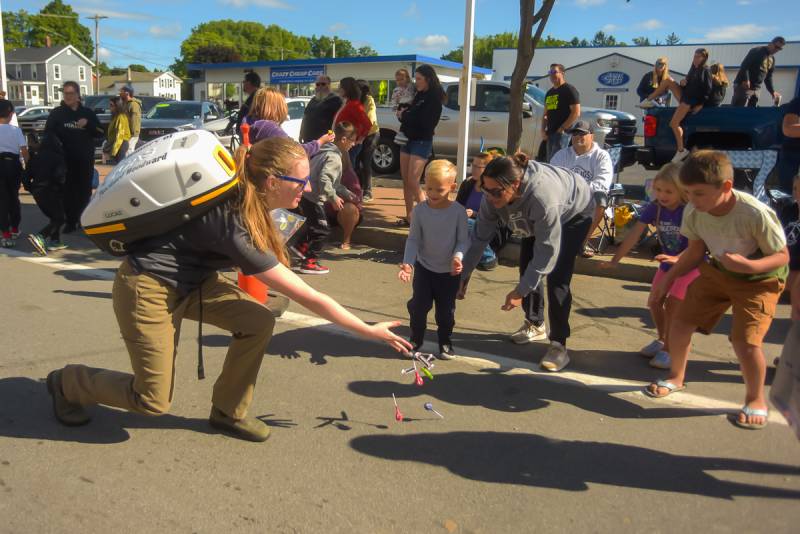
x: 666, y: 214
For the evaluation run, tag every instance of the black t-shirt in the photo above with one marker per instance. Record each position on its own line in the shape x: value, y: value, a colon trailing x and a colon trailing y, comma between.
x: 557, y: 102
x: 188, y: 255
x: 790, y: 218
x: 78, y: 142
x: 792, y: 143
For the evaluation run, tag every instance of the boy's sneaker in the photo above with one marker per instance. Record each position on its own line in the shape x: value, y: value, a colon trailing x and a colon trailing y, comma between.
x: 652, y: 348
x: 14, y: 232
x: 661, y: 360
x: 529, y: 332
x: 7, y: 241
x: 556, y: 357
x: 487, y: 265
x: 680, y: 156
x: 38, y: 243
x: 55, y: 245
x: 366, y: 198
x: 446, y: 352
x: 310, y: 266
x: 300, y: 250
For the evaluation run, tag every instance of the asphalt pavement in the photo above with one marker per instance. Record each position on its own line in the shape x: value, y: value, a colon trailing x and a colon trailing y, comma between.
x: 518, y: 450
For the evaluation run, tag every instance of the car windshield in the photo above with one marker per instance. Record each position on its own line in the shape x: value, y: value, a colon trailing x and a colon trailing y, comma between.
x: 174, y: 110
x: 296, y: 108
x: 535, y: 93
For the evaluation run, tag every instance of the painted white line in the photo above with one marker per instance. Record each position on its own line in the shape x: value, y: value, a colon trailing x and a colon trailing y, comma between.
x: 621, y: 388
x: 618, y: 387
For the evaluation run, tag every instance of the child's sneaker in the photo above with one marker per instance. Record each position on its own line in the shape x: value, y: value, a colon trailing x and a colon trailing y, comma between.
x: 529, y: 332
x: 55, y: 245
x: 310, y: 266
x: 38, y: 243
x: 446, y: 352
x: 7, y: 241
x: 652, y: 348
x: 556, y: 357
x: 300, y: 250
x: 661, y: 360
x: 14, y: 232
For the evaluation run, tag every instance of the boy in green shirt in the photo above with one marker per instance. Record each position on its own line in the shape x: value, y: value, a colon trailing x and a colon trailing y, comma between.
x: 747, y: 270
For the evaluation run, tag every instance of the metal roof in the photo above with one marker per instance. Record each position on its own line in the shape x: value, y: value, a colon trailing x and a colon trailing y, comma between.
x: 413, y: 58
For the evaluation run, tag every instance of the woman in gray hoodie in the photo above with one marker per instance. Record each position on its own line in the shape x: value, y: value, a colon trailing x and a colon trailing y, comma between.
x: 551, y: 209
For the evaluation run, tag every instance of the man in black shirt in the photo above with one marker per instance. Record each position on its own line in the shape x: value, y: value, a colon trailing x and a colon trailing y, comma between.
x: 756, y: 69
x: 562, y: 109
x: 76, y: 126
x: 320, y: 111
x: 251, y: 83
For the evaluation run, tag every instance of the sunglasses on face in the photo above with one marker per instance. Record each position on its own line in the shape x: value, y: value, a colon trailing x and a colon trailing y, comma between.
x: 494, y: 192
x: 553, y: 71
x: 301, y: 183
x: 66, y: 93
x: 321, y: 84
x: 660, y: 65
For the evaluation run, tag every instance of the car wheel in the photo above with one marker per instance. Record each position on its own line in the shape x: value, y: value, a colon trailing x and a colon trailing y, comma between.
x: 386, y: 158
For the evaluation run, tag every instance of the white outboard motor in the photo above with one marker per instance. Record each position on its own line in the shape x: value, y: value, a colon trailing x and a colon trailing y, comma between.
x: 162, y: 185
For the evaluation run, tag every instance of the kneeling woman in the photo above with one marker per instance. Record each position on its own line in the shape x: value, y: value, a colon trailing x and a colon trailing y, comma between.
x: 174, y: 276
x: 555, y: 207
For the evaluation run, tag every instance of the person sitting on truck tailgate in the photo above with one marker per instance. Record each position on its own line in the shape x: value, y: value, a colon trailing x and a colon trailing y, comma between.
x: 653, y: 81
x: 757, y: 67
x: 719, y: 86
x: 696, y: 90
x: 789, y: 159
x: 586, y: 158
x: 562, y: 108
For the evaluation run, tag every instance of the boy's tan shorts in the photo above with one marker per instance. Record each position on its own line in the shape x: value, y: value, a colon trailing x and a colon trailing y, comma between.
x: 713, y: 292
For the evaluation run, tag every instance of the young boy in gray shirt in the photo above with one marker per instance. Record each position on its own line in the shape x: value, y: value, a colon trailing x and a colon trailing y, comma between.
x: 437, y: 241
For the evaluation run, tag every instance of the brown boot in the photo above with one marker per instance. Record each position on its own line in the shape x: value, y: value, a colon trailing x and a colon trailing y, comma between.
x: 67, y: 413
x: 249, y: 428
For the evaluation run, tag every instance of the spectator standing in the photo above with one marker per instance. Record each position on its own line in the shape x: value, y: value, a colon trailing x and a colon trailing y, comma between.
x: 45, y: 176
x: 354, y: 113
x: 133, y: 108
x: 76, y: 126
x: 435, y: 248
x: 12, y: 146
x: 418, y: 122
x: 13, y: 121
x: 119, y: 134
x: 654, y: 80
x: 553, y: 206
x: 363, y: 165
x: 250, y: 84
x: 562, y: 108
x: 719, y: 86
x: 757, y: 67
x: 320, y: 110
x: 789, y: 159
x: 586, y: 158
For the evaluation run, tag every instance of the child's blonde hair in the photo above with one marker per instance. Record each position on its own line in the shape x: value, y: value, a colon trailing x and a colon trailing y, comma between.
x: 269, y: 104
x: 441, y: 171
x: 670, y: 174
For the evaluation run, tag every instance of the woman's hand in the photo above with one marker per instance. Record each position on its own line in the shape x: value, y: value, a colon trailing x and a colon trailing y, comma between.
x: 383, y: 332
x: 666, y: 258
x: 405, y: 273
x: 513, y: 300
x: 456, y: 267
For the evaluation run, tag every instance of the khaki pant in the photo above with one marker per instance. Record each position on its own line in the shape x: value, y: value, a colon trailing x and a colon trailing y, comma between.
x: 149, y: 313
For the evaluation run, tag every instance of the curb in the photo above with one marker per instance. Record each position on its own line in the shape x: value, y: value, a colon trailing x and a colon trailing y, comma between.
x: 629, y: 270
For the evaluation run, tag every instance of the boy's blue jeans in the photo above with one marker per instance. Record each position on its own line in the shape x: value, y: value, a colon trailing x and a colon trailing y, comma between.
x: 488, y: 254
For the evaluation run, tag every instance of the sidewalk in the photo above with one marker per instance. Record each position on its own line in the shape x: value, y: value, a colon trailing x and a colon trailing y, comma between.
x: 378, y: 230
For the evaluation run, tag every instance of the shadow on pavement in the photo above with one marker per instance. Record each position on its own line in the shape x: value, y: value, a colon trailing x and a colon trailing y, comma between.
x: 321, y: 344
x: 93, y: 294
x: 26, y: 412
x: 533, y: 460
x: 495, y: 390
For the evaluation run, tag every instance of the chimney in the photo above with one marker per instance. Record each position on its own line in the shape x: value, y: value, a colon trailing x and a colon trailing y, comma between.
x: 47, y: 41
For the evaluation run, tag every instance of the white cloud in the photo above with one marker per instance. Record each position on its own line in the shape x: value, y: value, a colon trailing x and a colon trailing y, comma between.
x: 104, y: 53
x: 737, y: 32
x: 412, y: 11
x: 609, y: 28
x: 428, y: 42
x: 589, y: 3
x: 650, y: 24
x: 110, y: 13
x: 165, y: 31
x: 337, y: 27
x: 273, y: 4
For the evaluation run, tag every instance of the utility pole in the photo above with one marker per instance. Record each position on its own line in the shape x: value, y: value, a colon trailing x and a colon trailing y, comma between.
x: 96, y: 19
x: 3, y: 81
x: 334, y: 46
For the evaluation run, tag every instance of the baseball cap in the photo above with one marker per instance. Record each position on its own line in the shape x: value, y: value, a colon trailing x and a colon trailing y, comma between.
x: 580, y: 127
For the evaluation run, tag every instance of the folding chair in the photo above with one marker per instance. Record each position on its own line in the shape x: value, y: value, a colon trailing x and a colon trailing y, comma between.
x: 616, y: 196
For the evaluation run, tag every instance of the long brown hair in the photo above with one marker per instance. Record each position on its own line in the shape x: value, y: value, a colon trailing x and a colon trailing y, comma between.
x: 269, y: 104
x: 268, y: 157
x: 718, y: 74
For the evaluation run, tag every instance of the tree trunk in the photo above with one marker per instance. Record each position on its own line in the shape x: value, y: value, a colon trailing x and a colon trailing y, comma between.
x: 526, y: 48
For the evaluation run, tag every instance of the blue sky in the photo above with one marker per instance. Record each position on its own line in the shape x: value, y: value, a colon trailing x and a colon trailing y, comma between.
x: 150, y: 31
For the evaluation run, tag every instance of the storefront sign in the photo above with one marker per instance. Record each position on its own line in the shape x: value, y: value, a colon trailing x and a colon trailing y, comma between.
x: 304, y: 74
x: 611, y: 89
x: 613, y: 78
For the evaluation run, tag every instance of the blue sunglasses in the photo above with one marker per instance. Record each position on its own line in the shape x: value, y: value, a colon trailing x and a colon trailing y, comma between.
x: 294, y: 180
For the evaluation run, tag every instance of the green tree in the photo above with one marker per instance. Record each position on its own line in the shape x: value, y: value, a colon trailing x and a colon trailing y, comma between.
x: 216, y: 54
x: 578, y: 42
x: 673, y: 39
x: 59, y: 22
x: 322, y: 46
x: 136, y: 67
x: 16, y: 29
x: 641, y: 41
x: 251, y: 40
x: 365, y: 51
x: 483, y: 48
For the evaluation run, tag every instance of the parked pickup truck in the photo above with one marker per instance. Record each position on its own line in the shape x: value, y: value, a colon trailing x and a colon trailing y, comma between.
x: 489, y: 121
x: 724, y: 128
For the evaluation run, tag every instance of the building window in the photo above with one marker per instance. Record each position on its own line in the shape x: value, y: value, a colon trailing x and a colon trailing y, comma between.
x: 18, y: 71
x: 84, y: 91
x: 56, y: 93
x: 34, y: 72
x: 56, y: 72
x: 611, y: 101
x: 82, y: 73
